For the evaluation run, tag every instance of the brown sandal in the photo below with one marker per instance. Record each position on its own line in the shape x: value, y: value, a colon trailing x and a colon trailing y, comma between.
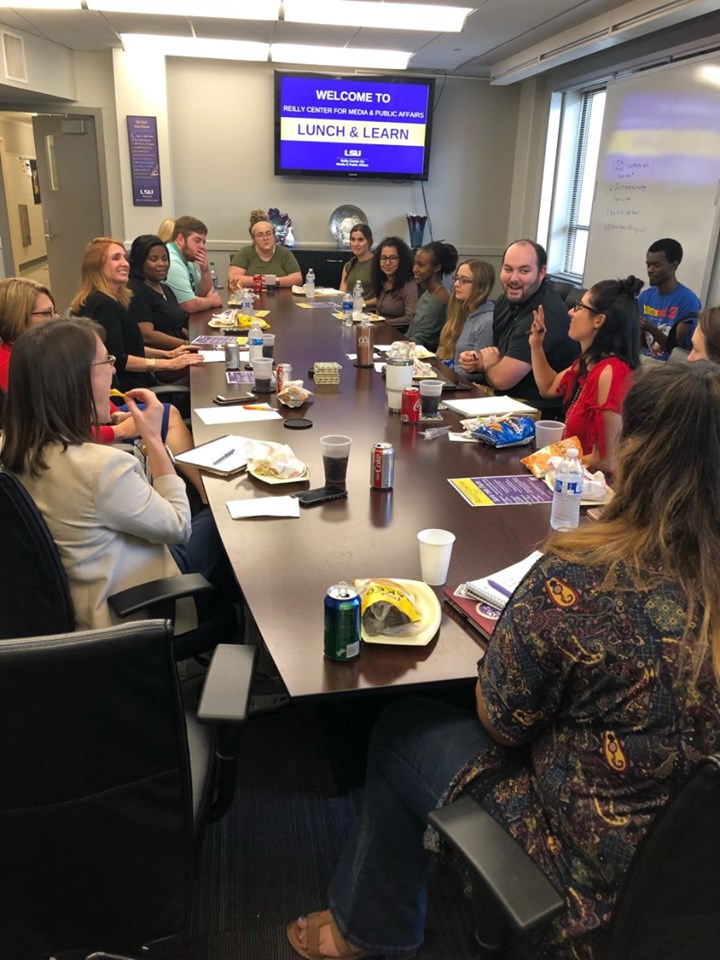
x: 322, y: 918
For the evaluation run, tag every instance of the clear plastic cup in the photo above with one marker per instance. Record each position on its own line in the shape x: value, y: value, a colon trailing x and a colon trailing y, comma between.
x: 547, y: 432
x: 262, y: 374
x: 269, y: 345
x: 430, y: 392
x: 335, y: 454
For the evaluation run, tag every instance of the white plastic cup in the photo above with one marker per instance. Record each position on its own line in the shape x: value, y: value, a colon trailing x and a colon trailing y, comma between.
x: 435, y: 552
x: 335, y: 454
x: 262, y: 374
x: 547, y: 432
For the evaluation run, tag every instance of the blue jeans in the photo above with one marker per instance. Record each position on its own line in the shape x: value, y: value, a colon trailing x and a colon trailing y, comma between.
x: 378, y: 892
x: 205, y: 554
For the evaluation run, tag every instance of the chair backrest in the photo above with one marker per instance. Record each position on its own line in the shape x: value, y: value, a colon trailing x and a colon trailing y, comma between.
x: 670, y: 904
x: 34, y: 595
x: 95, y: 796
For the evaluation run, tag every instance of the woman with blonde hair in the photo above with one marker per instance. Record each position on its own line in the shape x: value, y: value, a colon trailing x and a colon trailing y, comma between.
x: 599, y: 693
x: 469, y: 324
x: 104, y: 296
x: 706, y: 337
x: 263, y: 256
x: 166, y: 230
x: 23, y: 304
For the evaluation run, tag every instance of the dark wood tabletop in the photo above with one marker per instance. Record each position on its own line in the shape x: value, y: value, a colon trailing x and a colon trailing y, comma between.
x: 285, y: 566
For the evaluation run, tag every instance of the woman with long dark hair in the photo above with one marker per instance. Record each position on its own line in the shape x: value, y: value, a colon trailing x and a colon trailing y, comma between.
x: 393, y: 285
x: 605, y: 322
x: 359, y: 266
x: 432, y: 262
x: 597, y: 696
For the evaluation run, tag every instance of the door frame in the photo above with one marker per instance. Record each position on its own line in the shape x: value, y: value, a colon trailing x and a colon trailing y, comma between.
x: 69, y: 111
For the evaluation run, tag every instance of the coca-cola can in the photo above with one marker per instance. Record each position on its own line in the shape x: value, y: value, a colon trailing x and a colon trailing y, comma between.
x: 382, y: 466
x: 257, y: 283
x: 410, y: 408
x: 283, y: 375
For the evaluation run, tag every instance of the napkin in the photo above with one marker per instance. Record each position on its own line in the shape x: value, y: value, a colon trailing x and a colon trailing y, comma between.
x: 264, y: 507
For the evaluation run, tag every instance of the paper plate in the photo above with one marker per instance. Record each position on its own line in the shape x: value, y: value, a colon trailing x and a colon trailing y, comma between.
x: 342, y: 220
x: 276, y: 480
x: 428, y: 607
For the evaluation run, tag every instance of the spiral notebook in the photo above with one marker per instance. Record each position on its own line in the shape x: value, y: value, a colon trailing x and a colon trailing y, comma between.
x: 499, y: 587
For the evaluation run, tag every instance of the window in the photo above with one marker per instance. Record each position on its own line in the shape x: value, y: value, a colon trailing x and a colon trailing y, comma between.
x: 571, y: 157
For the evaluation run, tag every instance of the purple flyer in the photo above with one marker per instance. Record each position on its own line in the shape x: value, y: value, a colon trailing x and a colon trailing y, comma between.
x: 502, y: 491
x: 239, y: 376
x: 144, y: 161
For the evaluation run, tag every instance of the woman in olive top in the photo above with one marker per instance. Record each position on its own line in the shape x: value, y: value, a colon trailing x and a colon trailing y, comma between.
x: 393, y: 283
x: 359, y: 266
x: 431, y: 262
x: 263, y: 256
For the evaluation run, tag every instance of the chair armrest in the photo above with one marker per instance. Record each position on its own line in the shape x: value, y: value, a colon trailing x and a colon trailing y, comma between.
x: 513, y: 879
x: 226, y: 690
x: 165, y: 389
x: 146, y: 596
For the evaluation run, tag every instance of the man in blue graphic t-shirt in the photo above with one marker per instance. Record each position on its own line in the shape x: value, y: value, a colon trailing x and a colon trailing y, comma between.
x: 668, y: 309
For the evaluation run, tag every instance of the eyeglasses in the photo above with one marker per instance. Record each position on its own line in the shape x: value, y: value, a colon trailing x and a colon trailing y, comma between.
x: 264, y: 236
x: 465, y: 281
x: 108, y: 359
x: 48, y: 314
x: 389, y: 259
x: 578, y: 305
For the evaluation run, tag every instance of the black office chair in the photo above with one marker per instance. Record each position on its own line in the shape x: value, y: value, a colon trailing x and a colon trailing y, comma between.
x: 106, y: 780
x: 669, y: 906
x: 34, y: 594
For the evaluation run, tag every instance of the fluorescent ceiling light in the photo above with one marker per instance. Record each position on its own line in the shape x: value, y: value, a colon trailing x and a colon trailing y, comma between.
x: 377, y: 16
x: 257, y: 10
x: 141, y: 43
x: 339, y: 56
x: 46, y: 5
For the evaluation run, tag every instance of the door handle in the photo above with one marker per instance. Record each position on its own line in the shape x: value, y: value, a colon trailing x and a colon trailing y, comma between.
x: 48, y: 233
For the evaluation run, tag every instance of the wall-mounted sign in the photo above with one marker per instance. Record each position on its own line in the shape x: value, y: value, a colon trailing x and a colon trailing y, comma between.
x: 144, y: 161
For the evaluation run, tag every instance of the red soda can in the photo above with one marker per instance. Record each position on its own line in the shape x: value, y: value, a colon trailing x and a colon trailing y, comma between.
x: 283, y: 375
x: 257, y: 283
x: 382, y: 466
x: 410, y: 409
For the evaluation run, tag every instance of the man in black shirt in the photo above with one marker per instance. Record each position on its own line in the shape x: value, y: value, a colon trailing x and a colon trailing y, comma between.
x: 506, y: 365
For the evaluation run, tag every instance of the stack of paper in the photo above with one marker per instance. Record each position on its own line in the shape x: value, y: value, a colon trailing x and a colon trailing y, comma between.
x: 488, y: 407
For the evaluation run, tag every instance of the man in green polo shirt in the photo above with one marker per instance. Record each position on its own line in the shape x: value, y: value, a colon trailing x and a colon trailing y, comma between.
x: 189, y: 270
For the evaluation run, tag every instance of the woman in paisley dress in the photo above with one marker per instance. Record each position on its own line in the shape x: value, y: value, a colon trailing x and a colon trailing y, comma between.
x: 597, y: 696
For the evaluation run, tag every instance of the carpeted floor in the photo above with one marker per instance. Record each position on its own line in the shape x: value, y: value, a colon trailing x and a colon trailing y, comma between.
x: 271, y: 857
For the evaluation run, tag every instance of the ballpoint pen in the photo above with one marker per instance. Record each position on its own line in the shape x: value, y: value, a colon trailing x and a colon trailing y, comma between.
x: 223, y: 457
x: 499, y: 587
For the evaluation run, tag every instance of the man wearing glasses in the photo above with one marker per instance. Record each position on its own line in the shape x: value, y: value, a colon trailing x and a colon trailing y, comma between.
x: 506, y: 366
x: 189, y: 271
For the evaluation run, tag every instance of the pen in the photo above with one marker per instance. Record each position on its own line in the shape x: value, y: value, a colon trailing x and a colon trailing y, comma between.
x: 223, y: 457
x: 499, y: 587
x: 254, y: 406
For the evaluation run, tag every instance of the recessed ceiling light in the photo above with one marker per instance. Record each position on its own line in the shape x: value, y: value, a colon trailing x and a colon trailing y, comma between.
x: 142, y: 43
x: 377, y: 16
x: 47, y: 5
x: 257, y: 10
x: 339, y: 56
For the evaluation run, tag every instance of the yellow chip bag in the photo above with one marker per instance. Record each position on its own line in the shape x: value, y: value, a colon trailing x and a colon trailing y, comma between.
x: 385, y: 607
x: 537, y: 462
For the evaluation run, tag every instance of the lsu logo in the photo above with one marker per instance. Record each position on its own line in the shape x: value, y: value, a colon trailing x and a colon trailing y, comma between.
x: 561, y: 593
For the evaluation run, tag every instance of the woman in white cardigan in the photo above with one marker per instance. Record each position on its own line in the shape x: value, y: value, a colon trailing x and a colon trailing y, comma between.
x: 112, y: 528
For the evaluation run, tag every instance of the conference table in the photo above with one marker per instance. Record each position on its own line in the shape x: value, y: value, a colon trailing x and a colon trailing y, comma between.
x: 285, y: 566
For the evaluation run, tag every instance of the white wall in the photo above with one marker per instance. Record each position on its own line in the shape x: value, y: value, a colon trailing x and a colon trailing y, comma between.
x: 223, y: 165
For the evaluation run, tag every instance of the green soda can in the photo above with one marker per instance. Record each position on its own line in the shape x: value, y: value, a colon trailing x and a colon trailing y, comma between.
x: 342, y: 622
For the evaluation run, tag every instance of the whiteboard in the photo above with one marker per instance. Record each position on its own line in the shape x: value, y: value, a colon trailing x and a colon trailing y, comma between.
x: 658, y: 173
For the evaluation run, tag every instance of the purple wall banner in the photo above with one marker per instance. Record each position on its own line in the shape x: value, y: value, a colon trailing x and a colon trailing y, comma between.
x: 144, y: 161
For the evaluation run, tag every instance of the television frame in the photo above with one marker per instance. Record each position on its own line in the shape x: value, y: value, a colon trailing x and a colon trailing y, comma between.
x: 354, y: 174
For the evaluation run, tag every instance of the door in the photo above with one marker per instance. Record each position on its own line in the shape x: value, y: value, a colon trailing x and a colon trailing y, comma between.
x: 67, y: 162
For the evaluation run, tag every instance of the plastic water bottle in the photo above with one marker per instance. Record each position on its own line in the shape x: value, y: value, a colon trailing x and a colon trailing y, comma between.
x: 310, y: 284
x: 255, y: 342
x: 347, y: 309
x: 213, y: 274
x: 565, y: 514
x: 247, y: 301
x: 357, y: 300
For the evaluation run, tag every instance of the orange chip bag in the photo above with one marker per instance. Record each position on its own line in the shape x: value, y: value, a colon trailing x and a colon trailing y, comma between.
x: 537, y: 462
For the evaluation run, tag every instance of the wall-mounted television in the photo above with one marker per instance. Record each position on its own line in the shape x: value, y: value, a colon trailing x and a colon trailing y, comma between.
x: 369, y: 127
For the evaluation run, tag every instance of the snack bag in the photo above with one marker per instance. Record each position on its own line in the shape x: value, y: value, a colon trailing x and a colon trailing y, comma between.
x: 505, y: 431
x: 537, y: 463
x: 386, y: 607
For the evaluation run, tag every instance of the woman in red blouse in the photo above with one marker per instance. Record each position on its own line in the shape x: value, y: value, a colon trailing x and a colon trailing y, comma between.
x: 604, y: 321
